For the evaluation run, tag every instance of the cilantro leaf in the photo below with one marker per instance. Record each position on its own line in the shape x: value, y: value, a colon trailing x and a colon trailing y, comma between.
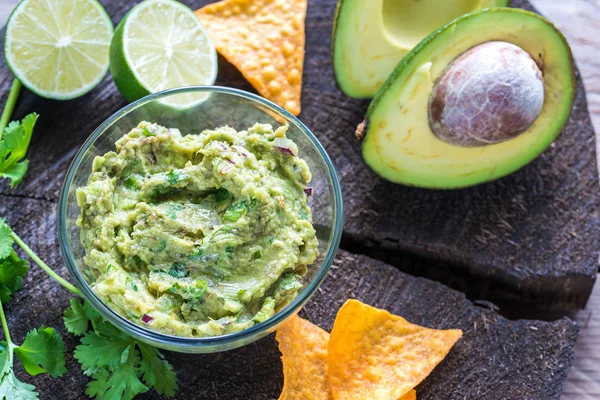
x: 13, y: 148
x: 172, y: 177
x: 91, y: 312
x: 123, y: 383
x: 96, y: 352
x: 78, y: 317
x: 43, y: 351
x: 10, y: 387
x: 13, y: 389
x: 178, y: 270
x: 222, y: 194
x: 97, y: 387
x: 235, y: 211
x: 75, y: 318
x: 131, y: 183
x: 156, y: 371
x: 12, y: 271
x: 17, y: 136
x: 114, y: 360
x: 146, y: 132
x: 105, y: 329
x: 15, y: 173
x: 6, y: 240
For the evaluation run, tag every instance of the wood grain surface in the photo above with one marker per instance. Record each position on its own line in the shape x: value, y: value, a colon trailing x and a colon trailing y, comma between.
x: 578, y: 19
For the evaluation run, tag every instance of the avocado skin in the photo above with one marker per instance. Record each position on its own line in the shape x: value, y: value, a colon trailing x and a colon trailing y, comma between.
x: 336, y: 22
x: 424, y: 44
x: 336, y: 18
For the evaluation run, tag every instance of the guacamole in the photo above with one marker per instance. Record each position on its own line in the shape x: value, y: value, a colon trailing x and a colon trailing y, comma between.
x: 198, y: 235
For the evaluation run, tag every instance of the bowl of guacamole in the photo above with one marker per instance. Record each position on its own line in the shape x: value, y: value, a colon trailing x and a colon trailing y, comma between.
x: 200, y: 230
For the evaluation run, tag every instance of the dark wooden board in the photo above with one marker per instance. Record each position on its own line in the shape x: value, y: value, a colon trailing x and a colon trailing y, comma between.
x: 495, y: 358
x: 528, y: 238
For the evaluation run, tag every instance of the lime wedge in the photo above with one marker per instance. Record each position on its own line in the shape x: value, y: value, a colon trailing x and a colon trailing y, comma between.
x: 161, y: 44
x: 58, y: 48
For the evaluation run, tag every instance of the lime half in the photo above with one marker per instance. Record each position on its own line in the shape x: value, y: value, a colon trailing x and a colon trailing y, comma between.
x: 58, y: 48
x: 161, y: 44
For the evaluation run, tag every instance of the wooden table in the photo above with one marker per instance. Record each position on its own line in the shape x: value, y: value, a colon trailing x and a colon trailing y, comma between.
x: 580, y: 22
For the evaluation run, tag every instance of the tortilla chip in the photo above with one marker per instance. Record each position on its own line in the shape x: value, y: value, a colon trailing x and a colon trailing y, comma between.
x: 376, y: 355
x: 264, y: 39
x: 304, y: 355
x: 303, y: 346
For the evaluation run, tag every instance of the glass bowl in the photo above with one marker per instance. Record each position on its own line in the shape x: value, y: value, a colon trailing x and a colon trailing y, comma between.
x: 215, y: 106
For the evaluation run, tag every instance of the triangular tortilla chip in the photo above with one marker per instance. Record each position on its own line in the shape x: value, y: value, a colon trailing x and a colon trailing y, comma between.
x: 303, y: 346
x: 412, y: 395
x: 373, y: 354
x: 264, y: 39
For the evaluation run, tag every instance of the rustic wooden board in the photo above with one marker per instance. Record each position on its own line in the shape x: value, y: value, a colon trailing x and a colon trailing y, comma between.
x: 526, y: 238
x: 496, y: 357
x: 332, y: 117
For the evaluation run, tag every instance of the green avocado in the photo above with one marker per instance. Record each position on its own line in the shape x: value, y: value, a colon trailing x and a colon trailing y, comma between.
x: 370, y: 37
x: 399, y: 143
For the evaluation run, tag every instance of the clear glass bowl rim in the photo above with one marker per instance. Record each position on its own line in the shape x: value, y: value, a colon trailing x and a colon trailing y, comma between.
x: 228, y: 341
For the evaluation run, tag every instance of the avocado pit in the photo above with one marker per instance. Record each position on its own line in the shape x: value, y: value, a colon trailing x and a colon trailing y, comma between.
x: 491, y: 93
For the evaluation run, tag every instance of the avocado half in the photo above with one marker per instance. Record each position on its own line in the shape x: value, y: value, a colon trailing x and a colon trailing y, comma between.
x: 370, y: 37
x: 398, y: 142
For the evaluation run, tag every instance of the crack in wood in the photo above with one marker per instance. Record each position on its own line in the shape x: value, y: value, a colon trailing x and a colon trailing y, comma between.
x: 475, y: 283
x: 28, y: 197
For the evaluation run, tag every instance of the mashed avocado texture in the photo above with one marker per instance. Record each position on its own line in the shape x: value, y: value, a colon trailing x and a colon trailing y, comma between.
x: 198, y: 235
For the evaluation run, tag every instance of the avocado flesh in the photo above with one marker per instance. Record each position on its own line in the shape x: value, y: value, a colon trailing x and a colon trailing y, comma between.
x: 370, y: 37
x: 399, y: 144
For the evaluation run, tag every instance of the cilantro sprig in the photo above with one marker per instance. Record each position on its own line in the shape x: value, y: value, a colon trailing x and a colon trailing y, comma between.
x: 120, y: 366
x: 43, y: 349
x: 14, y: 139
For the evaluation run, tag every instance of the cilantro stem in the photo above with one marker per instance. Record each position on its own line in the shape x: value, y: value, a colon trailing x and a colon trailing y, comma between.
x: 9, y: 107
x: 45, y: 266
x: 5, y: 328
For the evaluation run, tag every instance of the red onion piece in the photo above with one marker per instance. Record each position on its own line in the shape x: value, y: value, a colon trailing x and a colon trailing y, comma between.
x: 146, y: 319
x: 222, y: 146
x: 286, y: 146
x: 308, y: 191
x: 285, y: 150
x: 241, y: 151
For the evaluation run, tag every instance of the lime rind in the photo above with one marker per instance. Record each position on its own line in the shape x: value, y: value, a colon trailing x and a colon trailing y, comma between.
x: 26, y: 79
x: 127, y: 68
